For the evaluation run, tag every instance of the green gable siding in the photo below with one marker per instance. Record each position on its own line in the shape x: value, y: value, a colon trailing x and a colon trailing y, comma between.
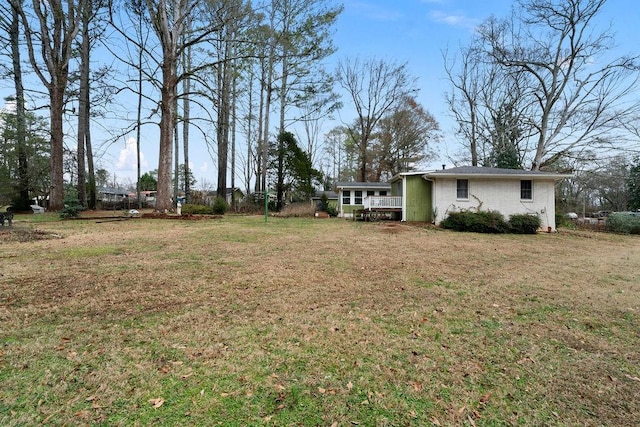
x: 348, y: 209
x: 418, y: 199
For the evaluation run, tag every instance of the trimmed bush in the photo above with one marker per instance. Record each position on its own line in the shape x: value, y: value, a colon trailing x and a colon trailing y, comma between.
x: 524, y: 224
x: 477, y: 222
x: 624, y: 223
x: 191, y: 209
x: 332, y: 210
x: 220, y: 206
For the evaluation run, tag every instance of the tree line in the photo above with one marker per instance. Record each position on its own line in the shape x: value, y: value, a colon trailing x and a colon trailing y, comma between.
x: 539, y: 89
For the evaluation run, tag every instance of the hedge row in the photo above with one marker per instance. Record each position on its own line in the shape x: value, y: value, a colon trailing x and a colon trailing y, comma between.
x: 491, y: 222
x: 623, y: 223
x: 219, y: 207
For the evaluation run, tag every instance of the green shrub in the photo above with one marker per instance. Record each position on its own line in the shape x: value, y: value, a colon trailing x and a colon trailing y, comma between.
x: 524, y: 224
x: 332, y: 210
x: 624, y: 223
x: 220, y: 206
x: 477, y: 222
x: 72, y: 207
x: 191, y: 209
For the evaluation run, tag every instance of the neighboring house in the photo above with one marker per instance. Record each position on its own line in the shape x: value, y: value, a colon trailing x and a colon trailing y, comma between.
x: 431, y: 196
x: 110, y: 194
x: 351, y: 195
x: 332, y: 198
x: 212, y: 195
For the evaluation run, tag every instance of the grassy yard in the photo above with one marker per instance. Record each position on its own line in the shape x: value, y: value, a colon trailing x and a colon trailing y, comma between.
x: 302, y: 322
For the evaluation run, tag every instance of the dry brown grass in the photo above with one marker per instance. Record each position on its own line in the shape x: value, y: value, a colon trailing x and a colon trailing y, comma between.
x: 316, y: 322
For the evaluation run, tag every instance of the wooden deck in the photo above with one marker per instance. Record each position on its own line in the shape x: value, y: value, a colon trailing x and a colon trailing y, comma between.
x: 378, y: 207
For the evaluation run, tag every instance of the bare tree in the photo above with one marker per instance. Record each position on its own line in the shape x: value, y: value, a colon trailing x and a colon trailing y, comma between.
x: 403, y: 139
x: 13, y: 30
x: 577, y: 94
x: 480, y: 92
x: 375, y: 86
x: 57, y: 25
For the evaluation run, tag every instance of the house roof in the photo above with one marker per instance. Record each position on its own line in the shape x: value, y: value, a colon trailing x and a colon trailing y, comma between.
x: 330, y: 194
x: 369, y: 185
x: 482, y: 172
x: 399, y: 176
x: 111, y: 190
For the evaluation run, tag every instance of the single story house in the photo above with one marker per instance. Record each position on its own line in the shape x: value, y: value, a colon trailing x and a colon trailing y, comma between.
x: 332, y: 199
x: 431, y: 196
x: 236, y: 192
x: 351, y: 195
x: 110, y: 194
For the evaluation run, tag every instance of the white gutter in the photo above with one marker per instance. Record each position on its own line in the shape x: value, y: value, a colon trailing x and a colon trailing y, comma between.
x: 404, y: 199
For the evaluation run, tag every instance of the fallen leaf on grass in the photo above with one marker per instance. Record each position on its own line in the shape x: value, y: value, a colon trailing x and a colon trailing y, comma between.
x: 322, y: 390
x: 90, y: 398
x: 484, y: 399
x: 349, y: 386
x: 83, y: 414
x: 632, y: 378
x: 435, y: 421
x: 156, y: 403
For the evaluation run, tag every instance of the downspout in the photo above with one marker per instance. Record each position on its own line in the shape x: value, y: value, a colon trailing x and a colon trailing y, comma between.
x: 404, y: 199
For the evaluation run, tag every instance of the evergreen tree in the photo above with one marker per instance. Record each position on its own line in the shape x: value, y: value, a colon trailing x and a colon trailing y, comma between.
x: 633, y: 186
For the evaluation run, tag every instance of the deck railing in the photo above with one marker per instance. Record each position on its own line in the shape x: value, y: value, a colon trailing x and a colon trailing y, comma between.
x: 382, y: 202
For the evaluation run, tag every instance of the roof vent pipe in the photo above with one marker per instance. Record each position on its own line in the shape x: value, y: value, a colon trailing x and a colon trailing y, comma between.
x: 443, y: 167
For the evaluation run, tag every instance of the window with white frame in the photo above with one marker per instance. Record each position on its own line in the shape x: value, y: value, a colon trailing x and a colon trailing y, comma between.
x: 526, y: 189
x: 357, y: 197
x: 462, y: 189
x: 346, y: 197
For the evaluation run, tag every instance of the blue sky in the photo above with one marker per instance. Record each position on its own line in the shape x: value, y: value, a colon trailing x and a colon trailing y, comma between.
x: 418, y: 31
x: 411, y: 31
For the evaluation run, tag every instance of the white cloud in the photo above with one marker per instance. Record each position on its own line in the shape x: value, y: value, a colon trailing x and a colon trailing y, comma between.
x: 455, y: 20
x: 128, y: 158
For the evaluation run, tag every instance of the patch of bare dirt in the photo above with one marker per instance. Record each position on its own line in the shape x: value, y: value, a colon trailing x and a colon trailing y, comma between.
x: 16, y: 234
x: 187, y: 217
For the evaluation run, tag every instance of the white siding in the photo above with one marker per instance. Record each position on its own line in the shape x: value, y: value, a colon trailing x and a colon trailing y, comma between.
x: 502, y: 195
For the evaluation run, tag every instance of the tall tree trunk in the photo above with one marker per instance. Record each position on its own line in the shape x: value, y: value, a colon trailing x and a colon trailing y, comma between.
x: 234, y: 88
x: 54, y: 37
x: 139, y: 117
x: 248, y: 170
x: 92, y: 196
x: 186, y: 116
x: 169, y: 31
x: 261, y: 177
x: 176, y: 157
x: 167, y: 121
x: 56, y: 185
x: 283, y: 108
x: 21, y: 129
x: 83, y: 103
x: 224, y: 85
